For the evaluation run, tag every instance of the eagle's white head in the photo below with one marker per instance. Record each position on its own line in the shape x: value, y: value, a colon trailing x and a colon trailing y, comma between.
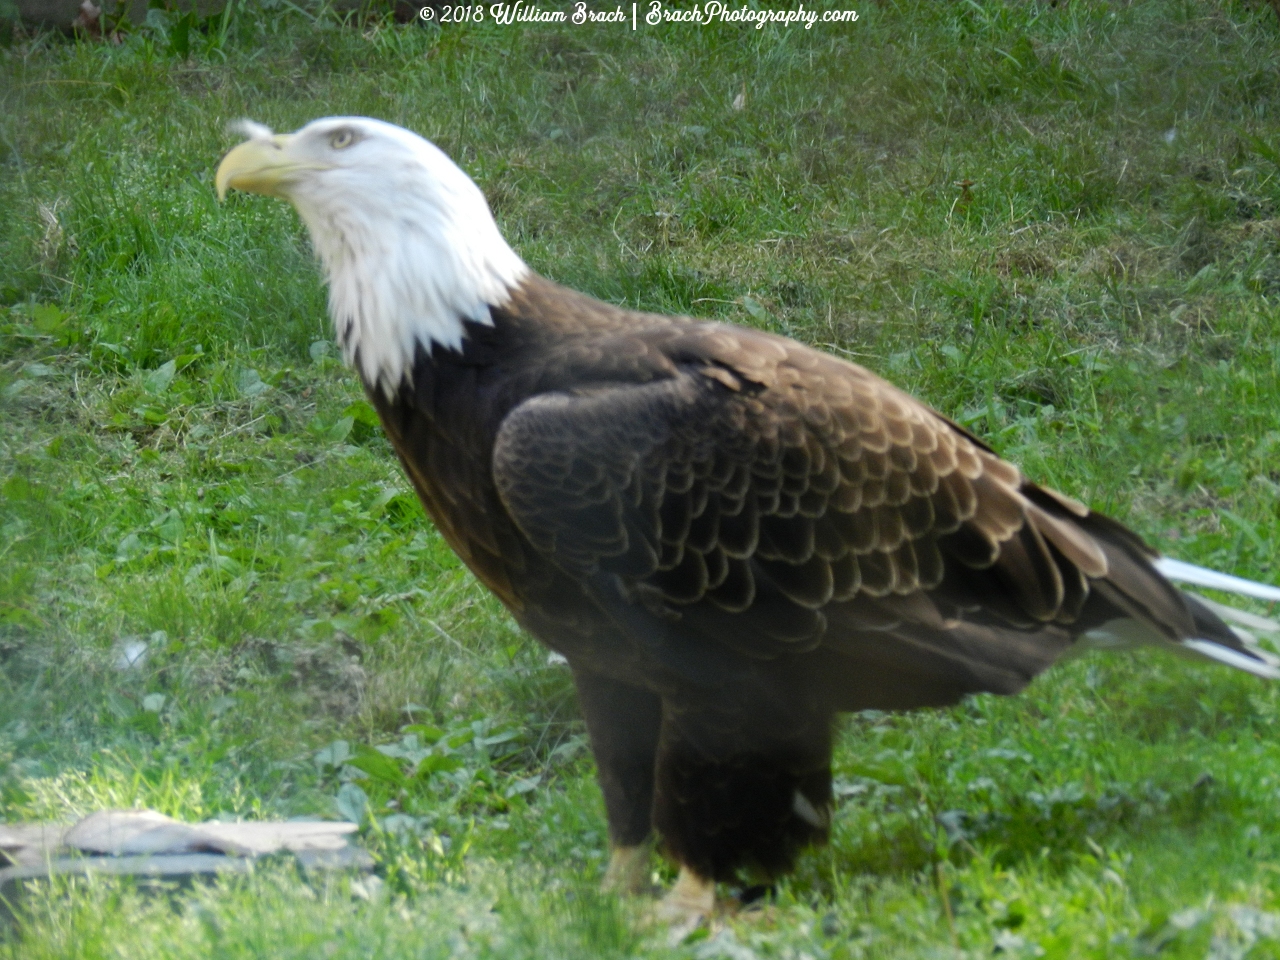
x: 407, y: 240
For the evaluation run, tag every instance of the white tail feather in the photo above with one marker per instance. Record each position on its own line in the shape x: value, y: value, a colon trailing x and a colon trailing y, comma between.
x: 1242, y: 617
x: 1182, y: 572
x: 1233, y: 658
x: 1260, y: 662
x: 1124, y: 633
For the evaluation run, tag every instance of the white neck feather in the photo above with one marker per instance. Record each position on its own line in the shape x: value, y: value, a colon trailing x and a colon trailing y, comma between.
x: 409, y: 256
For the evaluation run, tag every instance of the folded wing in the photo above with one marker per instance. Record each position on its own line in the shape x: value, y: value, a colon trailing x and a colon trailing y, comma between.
x: 770, y: 500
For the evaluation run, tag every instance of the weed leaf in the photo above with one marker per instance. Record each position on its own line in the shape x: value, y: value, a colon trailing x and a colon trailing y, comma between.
x: 157, y: 381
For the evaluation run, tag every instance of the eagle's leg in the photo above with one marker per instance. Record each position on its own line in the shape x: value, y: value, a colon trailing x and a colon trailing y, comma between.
x: 740, y: 792
x: 628, y: 869
x: 623, y: 723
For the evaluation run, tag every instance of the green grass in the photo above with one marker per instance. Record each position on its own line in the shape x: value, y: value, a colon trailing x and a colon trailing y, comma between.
x: 185, y: 464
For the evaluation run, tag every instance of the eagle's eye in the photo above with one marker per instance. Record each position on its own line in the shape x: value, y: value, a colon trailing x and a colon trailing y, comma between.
x: 341, y: 139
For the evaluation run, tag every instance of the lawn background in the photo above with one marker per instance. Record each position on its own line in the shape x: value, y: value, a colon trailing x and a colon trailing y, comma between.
x: 1057, y: 223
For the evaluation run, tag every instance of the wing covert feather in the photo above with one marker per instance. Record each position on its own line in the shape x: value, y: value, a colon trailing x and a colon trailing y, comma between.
x: 775, y: 498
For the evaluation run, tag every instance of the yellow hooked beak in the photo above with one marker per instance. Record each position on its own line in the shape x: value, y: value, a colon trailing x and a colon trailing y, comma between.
x: 260, y: 165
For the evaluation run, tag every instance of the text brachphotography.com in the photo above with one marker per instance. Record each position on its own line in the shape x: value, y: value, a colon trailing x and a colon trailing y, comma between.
x: 651, y: 13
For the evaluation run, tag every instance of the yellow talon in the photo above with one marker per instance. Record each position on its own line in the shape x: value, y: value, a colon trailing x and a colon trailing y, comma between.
x: 690, y: 903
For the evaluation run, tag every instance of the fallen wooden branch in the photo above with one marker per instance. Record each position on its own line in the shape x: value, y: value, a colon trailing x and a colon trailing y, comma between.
x: 153, y: 847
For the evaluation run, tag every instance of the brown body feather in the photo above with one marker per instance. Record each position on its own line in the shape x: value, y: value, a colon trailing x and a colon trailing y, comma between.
x: 732, y: 537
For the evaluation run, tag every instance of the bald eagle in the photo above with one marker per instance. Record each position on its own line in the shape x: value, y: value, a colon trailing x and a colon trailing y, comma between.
x: 730, y: 536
